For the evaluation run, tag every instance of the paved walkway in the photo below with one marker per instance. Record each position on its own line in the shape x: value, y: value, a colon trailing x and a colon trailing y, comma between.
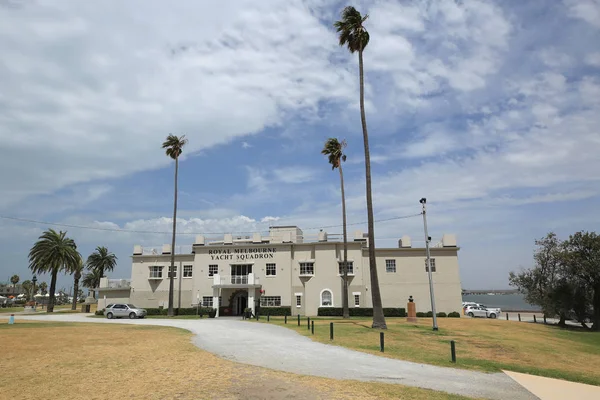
x: 555, y: 389
x: 282, y: 349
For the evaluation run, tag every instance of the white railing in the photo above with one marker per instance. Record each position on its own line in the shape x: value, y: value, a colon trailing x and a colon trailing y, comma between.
x: 118, y: 284
x: 157, y: 250
x: 249, y: 279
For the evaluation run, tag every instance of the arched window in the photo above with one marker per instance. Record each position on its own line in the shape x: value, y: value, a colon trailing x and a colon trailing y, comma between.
x: 326, y: 298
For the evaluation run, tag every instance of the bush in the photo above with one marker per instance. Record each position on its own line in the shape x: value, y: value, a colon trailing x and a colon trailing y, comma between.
x: 420, y: 315
x: 359, y: 312
x: 454, y: 314
x: 429, y: 314
x: 441, y: 314
x: 99, y: 312
x: 275, y: 311
x: 180, y: 311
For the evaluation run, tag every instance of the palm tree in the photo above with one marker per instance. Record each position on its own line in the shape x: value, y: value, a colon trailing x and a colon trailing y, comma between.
x: 14, y: 280
x: 53, y: 252
x: 92, y: 280
x: 174, y: 146
x: 335, y: 150
x: 27, y: 286
x: 43, y: 288
x: 76, y: 271
x: 101, y: 261
x: 353, y: 34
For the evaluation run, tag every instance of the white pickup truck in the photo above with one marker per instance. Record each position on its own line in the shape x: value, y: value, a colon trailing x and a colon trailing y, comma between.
x: 480, y: 310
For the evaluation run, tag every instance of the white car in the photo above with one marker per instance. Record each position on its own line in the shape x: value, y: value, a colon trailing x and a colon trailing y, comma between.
x: 478, y: 311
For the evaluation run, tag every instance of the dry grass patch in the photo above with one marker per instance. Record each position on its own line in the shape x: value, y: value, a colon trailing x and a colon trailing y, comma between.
x: 101, y: 361
x: 482, y: 344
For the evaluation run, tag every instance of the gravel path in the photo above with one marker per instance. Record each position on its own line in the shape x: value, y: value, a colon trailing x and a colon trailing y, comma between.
x: 282, y: 349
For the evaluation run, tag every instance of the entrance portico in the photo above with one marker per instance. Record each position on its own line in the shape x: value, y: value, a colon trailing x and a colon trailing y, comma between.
x: 240, y: 290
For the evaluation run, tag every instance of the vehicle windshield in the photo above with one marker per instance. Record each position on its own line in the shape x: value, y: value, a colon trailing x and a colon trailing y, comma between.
x: 131, y: 306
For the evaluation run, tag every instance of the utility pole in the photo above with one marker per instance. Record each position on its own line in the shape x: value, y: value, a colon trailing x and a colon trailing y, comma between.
x: 427, y: 240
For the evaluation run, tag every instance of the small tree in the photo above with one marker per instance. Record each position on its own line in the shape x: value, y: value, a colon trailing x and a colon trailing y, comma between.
x: 43, y: 288
x: 27, y: 287
x: 14, y: 280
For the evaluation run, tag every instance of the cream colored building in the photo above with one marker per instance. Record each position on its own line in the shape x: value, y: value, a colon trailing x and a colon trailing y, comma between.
x: 286, y: 269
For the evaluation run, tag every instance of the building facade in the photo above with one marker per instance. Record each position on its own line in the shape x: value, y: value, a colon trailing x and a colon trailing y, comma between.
x: 285, y: 269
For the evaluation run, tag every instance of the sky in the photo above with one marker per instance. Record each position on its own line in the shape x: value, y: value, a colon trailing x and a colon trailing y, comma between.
x: 488, y: 109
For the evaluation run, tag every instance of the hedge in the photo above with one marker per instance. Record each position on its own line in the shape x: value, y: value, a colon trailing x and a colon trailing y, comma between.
x: 180, y: 311
x: 359, y: 312
x: 454, y: 314
x: 441, y: 314
x: 275, y: 311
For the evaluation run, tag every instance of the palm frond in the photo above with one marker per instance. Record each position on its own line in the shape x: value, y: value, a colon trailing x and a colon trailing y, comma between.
x: 174, y: 145
x: 334, y: 149
x: 351, y: 31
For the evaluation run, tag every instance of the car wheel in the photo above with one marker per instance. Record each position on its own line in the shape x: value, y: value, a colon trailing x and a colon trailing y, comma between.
x: 471, y: 315
x: 493, y: 316
x: 109, y: 315
x: 132, y: 315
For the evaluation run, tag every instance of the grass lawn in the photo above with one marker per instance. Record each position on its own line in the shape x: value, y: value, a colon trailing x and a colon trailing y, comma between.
x: 102, y: 361
x: 481, y: 344
x: 9, y: 310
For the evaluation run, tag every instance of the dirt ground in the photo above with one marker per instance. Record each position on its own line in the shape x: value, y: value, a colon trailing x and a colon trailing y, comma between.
x: 85, y: 361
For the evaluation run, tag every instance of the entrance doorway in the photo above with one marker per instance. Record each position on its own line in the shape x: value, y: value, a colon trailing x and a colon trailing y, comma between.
x: 239, y: 302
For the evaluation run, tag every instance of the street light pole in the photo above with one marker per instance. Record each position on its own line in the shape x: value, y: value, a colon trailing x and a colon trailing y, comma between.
x: 427, y: 239
x: 34, y: 280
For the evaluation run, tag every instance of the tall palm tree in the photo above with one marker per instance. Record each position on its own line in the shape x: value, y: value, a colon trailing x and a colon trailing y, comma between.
x: 15, y: 279
x: 101, y: 261
x: 52, y: 253
x: 334, y: 149
x: 174, y: 147
x: 77, y: 270
x: 92, y: 280
x: 352, y: 33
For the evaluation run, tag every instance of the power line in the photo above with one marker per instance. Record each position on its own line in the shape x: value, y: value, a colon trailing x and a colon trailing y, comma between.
x: 96, y: 228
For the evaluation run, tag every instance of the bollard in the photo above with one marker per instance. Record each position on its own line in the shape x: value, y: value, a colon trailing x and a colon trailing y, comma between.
x: 268, y: 317
x: 534, y: 319
x: 11, y: 319
x: 381, y: 342
x: 519, y: 317
x: 544, y: 318
x: 285, y: 319
x: 298, y: 319
x: 453, y: 351
x: 331, y: 331
x: 312, y: 329
x: 308, y: 323
x: 507, y: 316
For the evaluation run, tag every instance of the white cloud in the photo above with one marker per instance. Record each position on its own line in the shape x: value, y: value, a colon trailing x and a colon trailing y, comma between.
x: 246, y: 145
x: 587, y: 10
x: 88, y: 108
x: 593, y: 59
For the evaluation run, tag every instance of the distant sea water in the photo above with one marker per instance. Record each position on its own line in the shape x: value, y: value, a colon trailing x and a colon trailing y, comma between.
x: 504, y: 301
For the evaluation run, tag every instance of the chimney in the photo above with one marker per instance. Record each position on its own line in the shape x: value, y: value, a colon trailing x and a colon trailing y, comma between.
x: 228, y: 238
x: 166, y: 249
x: 137, y: 250
x: 449, y: 240
x: 404, y: 242
x: 200, y: 241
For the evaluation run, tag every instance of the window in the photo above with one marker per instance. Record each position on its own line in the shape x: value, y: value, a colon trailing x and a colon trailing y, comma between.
x: 271, y: 270
x: 357, y: 300
x: 298, y: 300
x: 213, y: 269
x: 307, y: 268
x: 432, y: 261
x: 188, y: 271
x: 156, y: 271
x: 174, y: 271
x: 207, y: 301
x: 270, y: 301
x: 350, y: 267
x: 326, y: 298
x: 390, y: 265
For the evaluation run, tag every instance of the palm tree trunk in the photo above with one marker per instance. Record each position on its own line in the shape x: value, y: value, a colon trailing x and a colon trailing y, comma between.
x: 75, y: 290
x: 50, y: 307
x: 378, y: 318
x: 170, y: 311
x: 345, y: 311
